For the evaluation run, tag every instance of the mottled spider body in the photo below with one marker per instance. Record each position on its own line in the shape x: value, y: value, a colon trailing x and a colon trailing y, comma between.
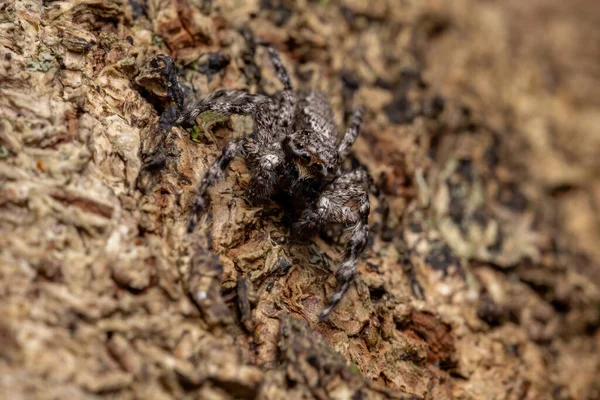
x: 294, y: 152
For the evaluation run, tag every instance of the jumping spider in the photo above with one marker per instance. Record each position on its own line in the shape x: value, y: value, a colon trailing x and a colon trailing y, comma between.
x: 294, y: 156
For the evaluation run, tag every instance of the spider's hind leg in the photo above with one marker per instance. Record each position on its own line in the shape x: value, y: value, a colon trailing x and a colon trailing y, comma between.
x: 358, y: 234
x: 343, y: 202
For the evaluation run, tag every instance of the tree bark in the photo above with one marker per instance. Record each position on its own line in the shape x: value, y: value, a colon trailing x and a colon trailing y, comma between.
x: 480, y: 131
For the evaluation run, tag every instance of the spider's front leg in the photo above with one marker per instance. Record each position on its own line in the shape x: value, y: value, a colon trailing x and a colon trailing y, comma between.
x: 267, y: 114
x: 230, y: 102
x: 263, y: 147
x: 265, y: 164
x: 344, y: 202
x: 212, y: 176
x: 285, y: 107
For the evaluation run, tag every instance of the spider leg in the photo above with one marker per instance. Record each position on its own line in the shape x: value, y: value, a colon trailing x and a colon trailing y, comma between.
x: 157, y: 158
x: 240, y: 102
x: 362, y: 175
x: 174, y: 91
x: 226, y: 102
x: 285, y: 108
x: 232, y: 102
x: 344, y: 202
x: 351, y: 133
x: 214, y: 173
x: 358, y: 234
x: 265, y: 163
x: 269, y: 116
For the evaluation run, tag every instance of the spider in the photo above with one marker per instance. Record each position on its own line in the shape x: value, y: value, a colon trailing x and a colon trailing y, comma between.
x: 295, y: 156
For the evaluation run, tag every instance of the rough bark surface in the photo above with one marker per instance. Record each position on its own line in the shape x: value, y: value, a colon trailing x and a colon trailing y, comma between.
x: 481, y: 129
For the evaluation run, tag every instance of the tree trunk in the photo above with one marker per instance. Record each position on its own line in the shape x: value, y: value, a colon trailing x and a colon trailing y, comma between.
x: 483, y: 282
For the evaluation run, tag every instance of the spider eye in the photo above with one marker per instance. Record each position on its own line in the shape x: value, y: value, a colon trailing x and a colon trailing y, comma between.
x: 305, y: 157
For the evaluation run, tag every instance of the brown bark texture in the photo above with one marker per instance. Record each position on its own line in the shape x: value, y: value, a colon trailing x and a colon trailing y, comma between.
x: 481, y: 128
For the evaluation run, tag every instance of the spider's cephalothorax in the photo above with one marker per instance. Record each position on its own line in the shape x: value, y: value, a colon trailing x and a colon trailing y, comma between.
x: 294, y: 152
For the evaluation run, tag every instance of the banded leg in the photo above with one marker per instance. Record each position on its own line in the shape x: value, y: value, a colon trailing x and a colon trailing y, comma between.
x: 263, y: 182
x: 232, y: 102
x: 361, y: 175
x: 343, y: 202
x: 214, y: 173
x: 358, y: 234
x: 174, y: 91
x: 351, y: 133
x: 158, y: 157
x: 285, y: 109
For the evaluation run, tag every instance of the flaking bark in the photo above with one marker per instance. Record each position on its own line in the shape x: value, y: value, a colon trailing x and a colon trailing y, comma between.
x: 483, y: 284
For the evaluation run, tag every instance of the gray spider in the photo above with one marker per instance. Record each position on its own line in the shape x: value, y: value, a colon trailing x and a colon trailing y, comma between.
x: 294, y: 155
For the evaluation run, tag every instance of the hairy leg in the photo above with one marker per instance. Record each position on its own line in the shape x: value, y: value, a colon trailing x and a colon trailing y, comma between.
x: 351, y: 133
x: 212, y: 175
x: 174, y: 91
x: 343, y: 202
x: 361, y: 176
x: 235, y: 102
x: 157, y: 158
x: 264, y: 163
x: 267, y: 115
x: 285, y: 108
x: 358, y: 234
x: 268, y: 118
